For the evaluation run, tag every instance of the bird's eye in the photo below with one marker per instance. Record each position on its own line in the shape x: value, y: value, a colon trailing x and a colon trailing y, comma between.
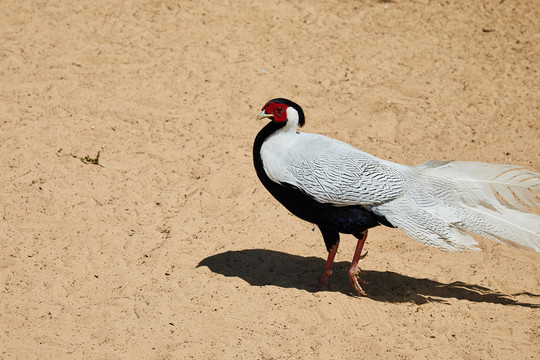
x: 279, y: 110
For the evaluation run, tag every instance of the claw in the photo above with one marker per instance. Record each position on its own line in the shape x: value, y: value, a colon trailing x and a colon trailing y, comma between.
x: 363, y: 256
x: 354, y: 270
x: 316, y: 287
x: 355, y: 279
x: 323, y: 283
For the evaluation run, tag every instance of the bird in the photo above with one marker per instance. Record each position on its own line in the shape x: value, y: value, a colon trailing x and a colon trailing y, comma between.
x: 343, y: 190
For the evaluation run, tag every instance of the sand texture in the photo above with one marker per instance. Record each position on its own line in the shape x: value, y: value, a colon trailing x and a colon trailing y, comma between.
x: 170, y: 248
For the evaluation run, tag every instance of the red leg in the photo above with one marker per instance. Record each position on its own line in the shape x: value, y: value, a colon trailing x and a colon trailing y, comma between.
x: 323, y: 283
x: 354, y: 270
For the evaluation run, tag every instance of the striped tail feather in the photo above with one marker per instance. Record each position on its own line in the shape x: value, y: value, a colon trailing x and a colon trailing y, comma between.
x: 449, y: 198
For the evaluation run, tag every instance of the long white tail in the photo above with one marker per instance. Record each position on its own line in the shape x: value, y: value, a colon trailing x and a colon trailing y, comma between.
x: 445, y: 199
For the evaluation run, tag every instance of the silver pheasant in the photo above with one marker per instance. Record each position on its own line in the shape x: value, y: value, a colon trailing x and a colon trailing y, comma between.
x: 436, y: 203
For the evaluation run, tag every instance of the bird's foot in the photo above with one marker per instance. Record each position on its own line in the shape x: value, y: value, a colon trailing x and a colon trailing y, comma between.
x: 355, y: 279
x: 323, y: 283
x: 354, y: 270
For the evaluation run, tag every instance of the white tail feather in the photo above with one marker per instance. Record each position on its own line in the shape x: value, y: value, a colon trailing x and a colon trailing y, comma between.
x: 513, y: 185
x: 444, y: 198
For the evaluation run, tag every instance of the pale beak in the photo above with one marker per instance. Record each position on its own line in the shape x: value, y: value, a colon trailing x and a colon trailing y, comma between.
x: 264, y: 115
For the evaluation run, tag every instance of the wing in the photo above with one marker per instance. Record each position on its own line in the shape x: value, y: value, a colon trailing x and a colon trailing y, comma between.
x: 331, y: 171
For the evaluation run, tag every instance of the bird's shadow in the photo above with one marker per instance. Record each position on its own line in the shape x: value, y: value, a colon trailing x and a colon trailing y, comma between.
x: 261, y: 267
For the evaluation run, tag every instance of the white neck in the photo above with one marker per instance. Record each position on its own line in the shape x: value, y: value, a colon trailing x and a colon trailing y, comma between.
x: 292, y: 120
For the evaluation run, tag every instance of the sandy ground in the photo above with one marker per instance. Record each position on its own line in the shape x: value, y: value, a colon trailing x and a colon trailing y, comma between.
x: 173, y: 249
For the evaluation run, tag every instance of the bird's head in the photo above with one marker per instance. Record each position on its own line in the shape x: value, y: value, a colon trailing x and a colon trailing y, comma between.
x: 283, y: 111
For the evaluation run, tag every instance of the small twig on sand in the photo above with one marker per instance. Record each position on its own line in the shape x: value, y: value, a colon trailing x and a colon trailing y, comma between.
x: 86, y: 159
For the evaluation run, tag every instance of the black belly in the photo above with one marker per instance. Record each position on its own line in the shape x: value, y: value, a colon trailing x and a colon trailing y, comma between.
x: 342, y: 219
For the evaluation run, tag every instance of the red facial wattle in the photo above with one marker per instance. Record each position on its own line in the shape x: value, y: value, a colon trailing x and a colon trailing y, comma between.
x: 278, y: 110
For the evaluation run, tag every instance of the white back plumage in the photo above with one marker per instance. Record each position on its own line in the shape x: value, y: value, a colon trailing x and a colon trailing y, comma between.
x: 435, y: 202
